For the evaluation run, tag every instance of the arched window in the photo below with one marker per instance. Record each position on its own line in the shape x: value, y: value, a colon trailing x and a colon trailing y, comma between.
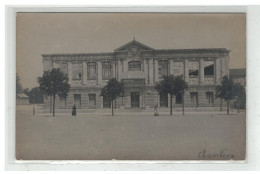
x: 134, y: 66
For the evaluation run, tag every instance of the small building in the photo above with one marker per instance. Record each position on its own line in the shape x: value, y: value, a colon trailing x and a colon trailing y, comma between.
x: 238, y: 76
x: 22, y: 99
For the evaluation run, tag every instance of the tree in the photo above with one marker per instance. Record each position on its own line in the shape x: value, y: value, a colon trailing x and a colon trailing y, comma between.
x: 35, y: 95
x: 173, y: 85
x: 112, y: 90
x: 19, y: 88
x: 239, y: 95
x: 225, y: 90
x: 53, y: 83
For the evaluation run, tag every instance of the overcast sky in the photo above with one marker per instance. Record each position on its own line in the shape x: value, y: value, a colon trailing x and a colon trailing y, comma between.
x: 45, y: 33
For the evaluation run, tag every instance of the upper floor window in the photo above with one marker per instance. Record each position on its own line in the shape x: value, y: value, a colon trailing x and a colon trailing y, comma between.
x: 106, y: 69
x: 92, y: 73
x: 163, y: 68
x: 208, y: 68
x: 193, y: 69
x: 77, y: 71
x: 134, y: 66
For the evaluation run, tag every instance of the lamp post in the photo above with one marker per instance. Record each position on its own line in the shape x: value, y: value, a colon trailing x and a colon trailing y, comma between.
x: 33, y: 105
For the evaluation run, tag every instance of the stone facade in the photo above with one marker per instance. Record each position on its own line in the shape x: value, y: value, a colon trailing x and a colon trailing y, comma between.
x: 140, y: 68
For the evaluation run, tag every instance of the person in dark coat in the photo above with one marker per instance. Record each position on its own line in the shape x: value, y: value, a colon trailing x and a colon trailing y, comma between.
x: 74, y: 110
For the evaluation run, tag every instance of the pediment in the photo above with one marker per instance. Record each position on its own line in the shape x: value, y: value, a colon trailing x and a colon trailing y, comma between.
x: 134, y: 47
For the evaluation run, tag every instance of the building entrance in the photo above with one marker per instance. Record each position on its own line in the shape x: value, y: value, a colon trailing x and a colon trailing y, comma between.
x: 135, y: 99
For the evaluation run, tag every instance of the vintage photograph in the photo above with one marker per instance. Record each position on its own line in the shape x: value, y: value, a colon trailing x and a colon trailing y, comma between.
x: 130, y: 86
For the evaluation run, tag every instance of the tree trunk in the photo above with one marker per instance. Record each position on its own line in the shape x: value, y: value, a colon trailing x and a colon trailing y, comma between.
x: 112, y: 107
x: 53, y: 112
x: 50, y: 103
x: 171, y: 104
x: 65, y: 103
x: 228, y: 107
x: 182, y: 104
x: 221, y: 104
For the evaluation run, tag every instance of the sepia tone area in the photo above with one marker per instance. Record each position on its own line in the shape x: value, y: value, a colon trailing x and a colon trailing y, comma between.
x: 130, y: 86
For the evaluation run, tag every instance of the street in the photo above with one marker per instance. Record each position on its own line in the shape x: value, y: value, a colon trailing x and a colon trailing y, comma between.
x: 130, y: 136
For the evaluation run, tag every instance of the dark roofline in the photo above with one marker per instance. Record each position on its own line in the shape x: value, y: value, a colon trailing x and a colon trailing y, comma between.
x: 194, y: 50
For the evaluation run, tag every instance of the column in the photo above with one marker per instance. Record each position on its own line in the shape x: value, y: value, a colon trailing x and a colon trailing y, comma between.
x: 125, y: 66
x: 70, y: 72
x: 186, y: 70
x: 146, y: 71
x: 99, y: 73
x: 84, y: 73
x: 201, y: 70
x: 171, y: 67
x: 119, y: 71
x: 217, y: 70
x: 150, y: 66
x: 155, y: 70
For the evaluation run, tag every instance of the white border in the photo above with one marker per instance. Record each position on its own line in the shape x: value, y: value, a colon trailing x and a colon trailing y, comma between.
x: 253, y: 45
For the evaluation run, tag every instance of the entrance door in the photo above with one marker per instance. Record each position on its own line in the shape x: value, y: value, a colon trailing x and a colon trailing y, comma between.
x: 164, y: 100
x: 92, y: 101
x: 135, y: 99
x: 77, y: 100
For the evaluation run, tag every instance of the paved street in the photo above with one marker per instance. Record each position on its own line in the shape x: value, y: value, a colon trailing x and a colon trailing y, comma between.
x: 130, y: 135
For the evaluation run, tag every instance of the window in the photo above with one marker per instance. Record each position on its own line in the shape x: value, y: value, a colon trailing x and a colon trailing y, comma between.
x: 134, y: 66
x: 76, y: 71
x: 193, y: 69
x: 208, y: 68
x: 163, y: 68
x: 210, y: 97
x: 178, y: 68
x: 194, y: 98
x: 106, y: 69
x: 92, y: 73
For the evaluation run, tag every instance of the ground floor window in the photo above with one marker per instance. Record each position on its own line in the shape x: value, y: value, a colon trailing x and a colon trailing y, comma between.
x: 210, y: 97
x: 106, y: 102
x: 92, y: 101
x: 163, y: 99
x: 194, y: 98
x: 77, y: 100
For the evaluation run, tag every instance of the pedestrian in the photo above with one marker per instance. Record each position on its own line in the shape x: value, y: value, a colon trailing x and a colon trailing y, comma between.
x: 74, y: 110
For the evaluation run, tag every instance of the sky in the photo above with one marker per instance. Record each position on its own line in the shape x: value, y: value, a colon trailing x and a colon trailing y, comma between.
x: 47, y: 33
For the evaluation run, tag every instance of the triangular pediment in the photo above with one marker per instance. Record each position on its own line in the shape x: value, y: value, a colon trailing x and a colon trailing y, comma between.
x: 134, y: 46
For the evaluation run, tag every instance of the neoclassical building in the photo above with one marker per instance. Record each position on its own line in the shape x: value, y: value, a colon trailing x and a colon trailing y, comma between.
x: 140, y: 67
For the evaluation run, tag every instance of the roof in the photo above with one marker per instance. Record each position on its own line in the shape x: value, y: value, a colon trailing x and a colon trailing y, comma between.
x: 143, y: 47
x: 237, y: 72
x: 21, y: 95
x: 132, y: 43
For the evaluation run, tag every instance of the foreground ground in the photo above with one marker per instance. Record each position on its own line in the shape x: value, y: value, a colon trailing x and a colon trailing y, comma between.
x: 130, y: 136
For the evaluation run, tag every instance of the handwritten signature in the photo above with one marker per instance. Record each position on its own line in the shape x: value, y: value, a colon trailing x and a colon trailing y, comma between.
x: 222, y: 154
